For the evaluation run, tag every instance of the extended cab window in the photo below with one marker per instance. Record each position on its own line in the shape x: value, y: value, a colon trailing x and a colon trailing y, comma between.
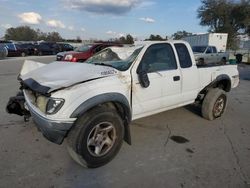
x: 184, y: 56
x: 158, y: 57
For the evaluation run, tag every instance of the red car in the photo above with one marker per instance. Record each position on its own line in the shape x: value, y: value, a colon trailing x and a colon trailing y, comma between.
x: 83, y: 52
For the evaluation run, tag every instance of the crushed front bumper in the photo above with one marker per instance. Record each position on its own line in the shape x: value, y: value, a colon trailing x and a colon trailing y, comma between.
x: 54, y: 130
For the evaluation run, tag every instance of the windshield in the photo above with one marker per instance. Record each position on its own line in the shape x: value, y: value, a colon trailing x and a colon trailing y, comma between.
x: 10, y: 46
x: 119, y: 58
x: 83, y: 48
x: 199, y: 49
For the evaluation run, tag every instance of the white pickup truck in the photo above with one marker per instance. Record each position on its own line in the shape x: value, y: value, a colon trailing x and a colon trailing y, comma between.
x: 92, y: 104
x: 209, y: 55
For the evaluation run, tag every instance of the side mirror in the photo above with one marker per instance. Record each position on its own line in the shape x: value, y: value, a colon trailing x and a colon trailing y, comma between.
x: 143, y: 78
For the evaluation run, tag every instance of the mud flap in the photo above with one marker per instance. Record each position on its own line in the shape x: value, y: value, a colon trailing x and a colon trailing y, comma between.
x: 127, y: 135
x: 16, y: 105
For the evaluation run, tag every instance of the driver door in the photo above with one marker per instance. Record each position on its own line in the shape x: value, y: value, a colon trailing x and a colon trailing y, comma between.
x: 164, y: 76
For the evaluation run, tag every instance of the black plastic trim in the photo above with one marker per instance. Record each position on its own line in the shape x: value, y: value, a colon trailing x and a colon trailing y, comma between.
x: 100, y: 99
x: 218, y: 79
x: 103, y: 98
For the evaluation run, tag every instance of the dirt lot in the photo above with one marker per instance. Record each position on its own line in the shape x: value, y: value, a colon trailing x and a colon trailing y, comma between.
x: 213, y: 154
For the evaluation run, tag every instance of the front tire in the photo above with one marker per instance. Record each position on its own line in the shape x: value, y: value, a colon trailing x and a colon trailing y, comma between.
x: 96, y: 137
x: 214, y: 104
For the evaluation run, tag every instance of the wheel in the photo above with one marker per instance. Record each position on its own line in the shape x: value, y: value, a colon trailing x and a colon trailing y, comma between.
x: 224, y: 60
x: 214, y: 104
x: 23, y: 54
x: 96, y: 137
x: 201, y: 61
x: 238, y: 58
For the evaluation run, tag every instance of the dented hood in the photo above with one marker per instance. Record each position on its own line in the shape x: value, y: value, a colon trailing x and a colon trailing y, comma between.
x: 47, y: 78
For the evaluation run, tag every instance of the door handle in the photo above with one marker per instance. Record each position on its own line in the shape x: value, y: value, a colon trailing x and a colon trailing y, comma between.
x: 176, y: 78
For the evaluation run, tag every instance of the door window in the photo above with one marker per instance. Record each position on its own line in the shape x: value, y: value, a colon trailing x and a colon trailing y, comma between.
x: 209, y: 50
x: 158, y: 57
x: 184, y: 56
x: 214, y: 49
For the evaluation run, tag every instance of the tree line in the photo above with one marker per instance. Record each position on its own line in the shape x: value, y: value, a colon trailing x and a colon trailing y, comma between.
x: 25, y: 33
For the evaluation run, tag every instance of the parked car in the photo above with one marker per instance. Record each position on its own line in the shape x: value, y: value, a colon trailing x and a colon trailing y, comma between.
x: 63, y: 47
x: 3, y: 51
x: 15, y: 50
x: 46, y: 48
x: 28, y: 47
x: 83, y: 52
x: 93, y: 103
x: 209, y: 54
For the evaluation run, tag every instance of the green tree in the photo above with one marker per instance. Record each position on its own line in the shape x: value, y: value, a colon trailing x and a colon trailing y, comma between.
x: 54, y: 37
x: 122, y: 40
x: 129, y: 39
x: 21, y: 33
x: 180, y: 34
x: 155, y: 38
x: 232, y: 17
x: 41, y: 35
x: 126, y: 40
x: 25, y: 33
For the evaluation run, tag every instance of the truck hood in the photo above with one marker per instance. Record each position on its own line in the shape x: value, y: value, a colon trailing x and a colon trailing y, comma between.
x: 44, y: 78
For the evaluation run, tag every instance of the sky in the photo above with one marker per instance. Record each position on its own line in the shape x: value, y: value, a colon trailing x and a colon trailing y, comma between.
x: 102, y: 19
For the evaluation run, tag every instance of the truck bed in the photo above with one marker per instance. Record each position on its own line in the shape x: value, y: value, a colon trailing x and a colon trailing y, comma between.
x: 208, y: 73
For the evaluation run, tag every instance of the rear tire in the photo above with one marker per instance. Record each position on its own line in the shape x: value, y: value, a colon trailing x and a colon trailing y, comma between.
x: 224, y: 60
x: 214, y: 104
x: 96, y: 137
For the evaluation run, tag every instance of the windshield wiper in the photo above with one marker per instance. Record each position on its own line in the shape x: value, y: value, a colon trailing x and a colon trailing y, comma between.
x: 103, y: 64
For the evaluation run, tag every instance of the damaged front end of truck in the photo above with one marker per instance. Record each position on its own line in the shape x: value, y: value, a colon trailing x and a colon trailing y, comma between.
x: 38, y: 85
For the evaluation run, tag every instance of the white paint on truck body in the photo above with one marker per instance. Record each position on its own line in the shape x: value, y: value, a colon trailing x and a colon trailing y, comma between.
x: 163, y: 93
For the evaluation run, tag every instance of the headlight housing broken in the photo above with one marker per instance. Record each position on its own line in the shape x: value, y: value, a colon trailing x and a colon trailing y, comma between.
x: 54, y: 105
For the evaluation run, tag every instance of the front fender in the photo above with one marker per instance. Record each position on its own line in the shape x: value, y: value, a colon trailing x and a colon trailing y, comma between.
x: 104, y: 98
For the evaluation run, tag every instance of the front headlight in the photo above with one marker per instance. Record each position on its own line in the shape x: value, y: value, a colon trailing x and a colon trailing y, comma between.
x: 54, y: 105
x: 41, y: 103
x: 68, y: 57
